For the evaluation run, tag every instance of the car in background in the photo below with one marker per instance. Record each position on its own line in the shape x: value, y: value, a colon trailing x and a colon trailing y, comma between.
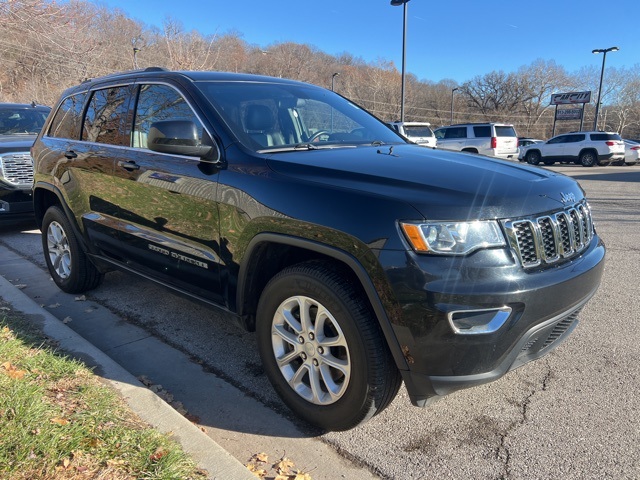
x: 417, y: 132
x: 583, y: 148
x: 19, y: 125
x: 631, y: 153
x: 525, y: 142
x: 494, y: 139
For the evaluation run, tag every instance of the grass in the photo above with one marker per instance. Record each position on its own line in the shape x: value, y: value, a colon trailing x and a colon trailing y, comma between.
x: 59, y: 421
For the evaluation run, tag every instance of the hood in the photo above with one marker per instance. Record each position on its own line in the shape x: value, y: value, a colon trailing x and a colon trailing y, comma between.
x: 441, y: 185
x: 16, y: 143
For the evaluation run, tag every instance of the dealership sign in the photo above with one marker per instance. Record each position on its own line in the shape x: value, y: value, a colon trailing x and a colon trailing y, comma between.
x: 569, y: 114
x: 570, y: 98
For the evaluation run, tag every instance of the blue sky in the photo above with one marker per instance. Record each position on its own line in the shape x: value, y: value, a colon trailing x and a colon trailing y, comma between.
x: 455, y: 40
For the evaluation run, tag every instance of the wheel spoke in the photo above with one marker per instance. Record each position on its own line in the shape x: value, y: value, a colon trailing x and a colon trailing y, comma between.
x: 334, y: 389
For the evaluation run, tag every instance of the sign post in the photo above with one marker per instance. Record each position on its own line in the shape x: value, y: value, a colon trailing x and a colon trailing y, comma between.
x: 570, y: 98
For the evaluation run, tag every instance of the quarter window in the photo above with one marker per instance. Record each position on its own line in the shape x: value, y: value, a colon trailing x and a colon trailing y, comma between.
x: 68, y: 119
x: 483, y: 131
x: 157, y: 103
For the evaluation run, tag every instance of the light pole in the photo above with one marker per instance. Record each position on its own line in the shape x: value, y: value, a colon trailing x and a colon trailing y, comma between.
x: 397, y: 3
x: 452, y: 90
x: 604, y: 57
x: 333, y: 77
x: 135, y: 57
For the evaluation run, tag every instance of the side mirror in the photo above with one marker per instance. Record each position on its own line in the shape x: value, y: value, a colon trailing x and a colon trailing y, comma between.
x: 180, y: 137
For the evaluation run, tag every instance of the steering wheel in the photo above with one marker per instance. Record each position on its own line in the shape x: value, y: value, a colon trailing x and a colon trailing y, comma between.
x: 316, y: 136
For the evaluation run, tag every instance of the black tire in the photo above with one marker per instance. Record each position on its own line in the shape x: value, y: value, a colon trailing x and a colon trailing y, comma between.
x: 351, y: 351
x: 588, y: 158
x: 604, y: 163
x: 549, y: 162
x: 619, y: 163
x: 68, y: 265
x: 533, y: 157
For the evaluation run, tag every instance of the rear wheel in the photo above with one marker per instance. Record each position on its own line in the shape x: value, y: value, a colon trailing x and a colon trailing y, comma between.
x: 588, y: 158
x: 68, y: 265
x: 322, y: 348
x: 533, y: 157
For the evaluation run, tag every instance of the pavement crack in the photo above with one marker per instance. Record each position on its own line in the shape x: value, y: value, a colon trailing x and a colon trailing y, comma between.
x: 502, y: 451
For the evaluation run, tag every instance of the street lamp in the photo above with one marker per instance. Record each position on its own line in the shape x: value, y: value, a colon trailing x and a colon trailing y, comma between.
x: 604, y: 57
x: 135, y: 57
x: 333, y: 77
x: 452, y: 90
x: 397, y: 3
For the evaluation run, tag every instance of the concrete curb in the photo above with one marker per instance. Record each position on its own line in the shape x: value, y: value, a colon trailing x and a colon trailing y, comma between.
x: 147, y: 405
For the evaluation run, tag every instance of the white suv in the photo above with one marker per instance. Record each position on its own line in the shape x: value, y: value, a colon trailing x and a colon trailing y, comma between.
x: 417, y: 132
x: 494, y: 139
x: 586, y: 148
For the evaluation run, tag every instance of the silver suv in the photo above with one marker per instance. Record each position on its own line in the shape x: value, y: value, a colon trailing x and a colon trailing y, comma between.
x: 494, y: 139
x: 417, y: 132
x: 586, y: 148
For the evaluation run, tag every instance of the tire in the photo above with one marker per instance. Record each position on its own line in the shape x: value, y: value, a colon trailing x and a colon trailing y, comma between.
x: 533, y: 157
x: 619, y: 163
x: 588, y: 158
x: 604, y: 163
x: 549, y: 162
x: 68, y: 265
x: 348, y: 362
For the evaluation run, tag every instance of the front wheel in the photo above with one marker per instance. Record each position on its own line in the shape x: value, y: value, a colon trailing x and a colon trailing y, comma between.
x: 68, y: 265
x: 322, y: 348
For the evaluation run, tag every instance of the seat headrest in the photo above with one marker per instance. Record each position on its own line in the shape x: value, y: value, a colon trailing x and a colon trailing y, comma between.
x: 258, y: 118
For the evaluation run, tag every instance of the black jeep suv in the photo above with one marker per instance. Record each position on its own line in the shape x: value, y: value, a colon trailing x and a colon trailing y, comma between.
x: 360, y: 260
x: 19, y: 125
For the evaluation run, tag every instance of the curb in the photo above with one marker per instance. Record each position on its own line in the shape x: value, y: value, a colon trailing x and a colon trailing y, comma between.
x: 147, y: 405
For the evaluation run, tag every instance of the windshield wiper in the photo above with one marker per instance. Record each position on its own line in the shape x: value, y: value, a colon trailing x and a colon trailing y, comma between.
x: 305, y: 146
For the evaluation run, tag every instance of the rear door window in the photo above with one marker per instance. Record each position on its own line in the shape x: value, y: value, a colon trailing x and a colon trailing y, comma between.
x: 107, y: 119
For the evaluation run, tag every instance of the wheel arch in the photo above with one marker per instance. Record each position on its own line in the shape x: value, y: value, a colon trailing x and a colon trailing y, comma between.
x: 268, y: 253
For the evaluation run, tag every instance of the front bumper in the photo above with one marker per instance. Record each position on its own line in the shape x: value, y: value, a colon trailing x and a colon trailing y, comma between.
x: 15, y: 205
x: 544, y: 307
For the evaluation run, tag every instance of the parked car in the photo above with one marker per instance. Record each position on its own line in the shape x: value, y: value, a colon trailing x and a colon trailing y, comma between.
x: 417, y: 132
x: 525, y: 142
x: 19, y: 125
x: 631, y: 153
x: 359, y: 259
x: 494, y: 139
x: 586, y: 148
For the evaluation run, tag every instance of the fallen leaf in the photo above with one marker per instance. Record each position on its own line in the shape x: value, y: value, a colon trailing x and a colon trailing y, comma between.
x: 90, y: 309
x: 59, y: 421
x: 12, y: 371
x: 81, y: 298
x: 67, y: 320
x: 21, y: 286
x: 257, y: 471
x: 261, y: 457
x: 158, y: 454
x: 283, y: 466
x: 301, y: 476
x: 54, y: 305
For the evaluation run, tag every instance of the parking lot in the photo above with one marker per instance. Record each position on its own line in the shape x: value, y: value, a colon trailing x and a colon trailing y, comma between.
x: 572, y: 414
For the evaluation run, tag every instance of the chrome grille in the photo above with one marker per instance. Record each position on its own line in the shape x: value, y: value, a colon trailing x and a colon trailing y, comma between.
x: 549, y: 238
x: 17, y: 168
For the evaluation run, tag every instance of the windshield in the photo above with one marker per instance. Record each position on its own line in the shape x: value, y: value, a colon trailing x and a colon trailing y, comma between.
x: 21, y: 120
x: 270, y: 116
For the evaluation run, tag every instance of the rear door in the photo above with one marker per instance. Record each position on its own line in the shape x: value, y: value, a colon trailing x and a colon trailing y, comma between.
x: 168, y: 214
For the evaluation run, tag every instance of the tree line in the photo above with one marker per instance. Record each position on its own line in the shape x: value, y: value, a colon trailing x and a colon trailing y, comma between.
x: 47, y: 46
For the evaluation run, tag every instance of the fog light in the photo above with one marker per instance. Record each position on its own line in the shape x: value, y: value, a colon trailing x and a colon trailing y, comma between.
x: 478, y: 322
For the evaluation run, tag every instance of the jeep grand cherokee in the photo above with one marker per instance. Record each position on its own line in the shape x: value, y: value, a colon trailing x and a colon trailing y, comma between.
x: 360, y: 260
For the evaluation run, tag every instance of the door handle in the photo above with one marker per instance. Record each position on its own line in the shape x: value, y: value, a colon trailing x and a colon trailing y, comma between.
x: 70, y: 154
x: 129, y: 165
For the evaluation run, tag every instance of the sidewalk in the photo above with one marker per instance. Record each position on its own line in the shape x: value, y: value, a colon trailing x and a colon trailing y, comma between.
x: 146, y: 404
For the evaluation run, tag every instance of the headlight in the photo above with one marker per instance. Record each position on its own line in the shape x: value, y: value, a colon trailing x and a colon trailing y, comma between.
x: 453, y: 238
